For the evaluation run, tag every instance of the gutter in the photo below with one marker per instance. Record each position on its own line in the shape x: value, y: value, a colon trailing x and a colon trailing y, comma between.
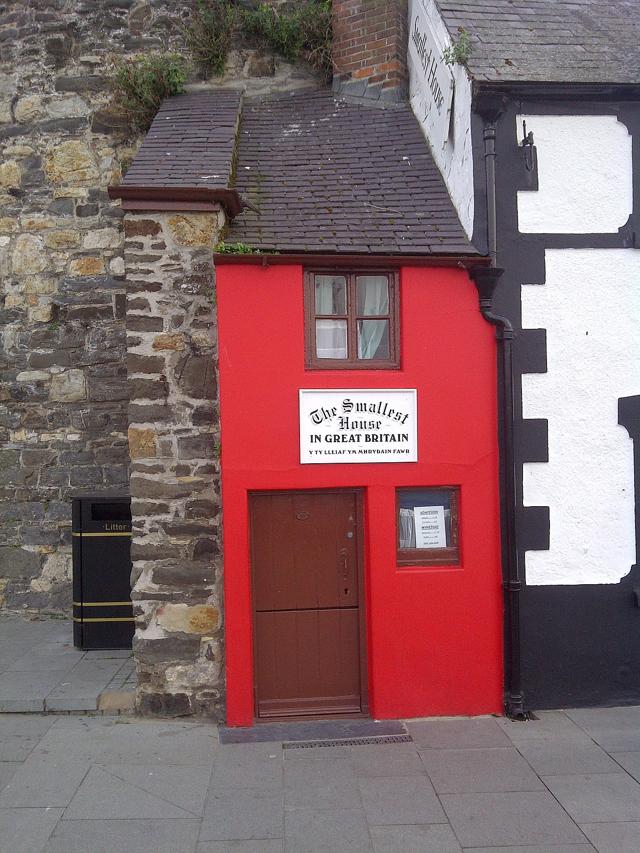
x: 486, y: 280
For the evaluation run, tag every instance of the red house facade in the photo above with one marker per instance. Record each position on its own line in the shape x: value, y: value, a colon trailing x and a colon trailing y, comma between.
x: 415, y: 636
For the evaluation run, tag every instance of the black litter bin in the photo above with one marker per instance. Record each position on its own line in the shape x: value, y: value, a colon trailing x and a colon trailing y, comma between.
x: 102, y: 610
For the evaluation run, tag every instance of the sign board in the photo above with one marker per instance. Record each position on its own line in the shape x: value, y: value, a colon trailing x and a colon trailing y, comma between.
x: 431, y: 79
x: 358, y: 425
x: 430, y: 529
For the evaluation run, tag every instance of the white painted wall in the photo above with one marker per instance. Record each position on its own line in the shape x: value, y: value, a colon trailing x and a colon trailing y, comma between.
x: 590, y: 307
x: 584, y: 171
x: 453, y: 155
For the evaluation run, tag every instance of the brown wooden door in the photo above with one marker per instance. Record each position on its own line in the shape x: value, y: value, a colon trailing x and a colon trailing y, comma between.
x: 306, y: 597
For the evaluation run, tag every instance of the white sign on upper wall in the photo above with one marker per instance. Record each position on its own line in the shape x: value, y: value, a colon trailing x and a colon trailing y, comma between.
x: 445, y: 120
x: 358, y: 425
x: 433, y: 94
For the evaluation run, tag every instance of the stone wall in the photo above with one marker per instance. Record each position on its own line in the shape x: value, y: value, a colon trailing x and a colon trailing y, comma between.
x: 64, y: 396
x: 174, y: 446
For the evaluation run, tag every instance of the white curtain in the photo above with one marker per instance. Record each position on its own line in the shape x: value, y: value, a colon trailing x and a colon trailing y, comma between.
x: 407, y: 531
x: 331, y: 338
x: 375, y: 303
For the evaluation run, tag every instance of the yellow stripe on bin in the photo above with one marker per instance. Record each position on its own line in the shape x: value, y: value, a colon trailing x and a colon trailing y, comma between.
x: 106, y: 619
x: 103, y: 534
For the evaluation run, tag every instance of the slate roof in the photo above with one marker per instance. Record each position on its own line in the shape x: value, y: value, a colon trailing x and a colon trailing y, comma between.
x: 189, y: 144
x: 563, y: 41
x: 331, y: 175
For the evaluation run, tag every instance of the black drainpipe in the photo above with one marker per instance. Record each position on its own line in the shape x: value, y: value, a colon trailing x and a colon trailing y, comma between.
x: 486, y: 279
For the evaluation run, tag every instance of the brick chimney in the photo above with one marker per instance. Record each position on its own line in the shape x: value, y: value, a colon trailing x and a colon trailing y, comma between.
x: 370, y: 48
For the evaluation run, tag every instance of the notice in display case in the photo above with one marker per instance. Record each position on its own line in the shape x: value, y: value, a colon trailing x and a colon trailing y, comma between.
x: 430, y: 527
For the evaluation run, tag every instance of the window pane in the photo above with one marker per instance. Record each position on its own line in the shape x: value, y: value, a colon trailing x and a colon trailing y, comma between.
x: 331, y: 294
x: 331, y: 338
x: 372, y: 295
x: 373, y: 339
x: 424, y: 519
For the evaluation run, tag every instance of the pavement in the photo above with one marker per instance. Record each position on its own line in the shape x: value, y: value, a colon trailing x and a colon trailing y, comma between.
x: 565, y: 783
x: 40, y: 670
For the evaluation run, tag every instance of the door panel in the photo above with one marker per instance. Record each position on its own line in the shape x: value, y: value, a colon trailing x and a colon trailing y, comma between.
x: 308, y: 662
x: 305, y: 553
x: 306, y: 557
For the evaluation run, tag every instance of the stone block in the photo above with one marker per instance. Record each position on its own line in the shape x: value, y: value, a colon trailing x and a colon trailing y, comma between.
x: 183, y: 573
x: 142, y: 443
x: 139, y: 323
x: 164, y: 704
x: 144, y: 363
x: 175, y: 342
x: 56, y: 572
x: 68, y: 387
x: 198, y: 619
x: 70, y: 162
x: 147, y: 487
x: 89, y: 266
x: 197, y: 377
x: 117, y: 702
x: 10, y: 174
x: 194, y: 229
x: 197, y: 447
x: 82, y: 83
x: 148, y: 389
x: 70, y: 106
x: 151, y: 551
x: 62, y: 239
x: 166, y: 650
x: 17, y: 563
x: 28, y: 255
x: 102, y: 238
x: 86, y: 475
x: 28, y: 109
x: 141, y: 227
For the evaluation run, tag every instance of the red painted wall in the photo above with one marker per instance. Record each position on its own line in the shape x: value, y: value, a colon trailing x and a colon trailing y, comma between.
x: 434, y: 634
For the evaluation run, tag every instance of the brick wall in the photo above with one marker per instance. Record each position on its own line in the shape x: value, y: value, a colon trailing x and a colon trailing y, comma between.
x: 370, y: 48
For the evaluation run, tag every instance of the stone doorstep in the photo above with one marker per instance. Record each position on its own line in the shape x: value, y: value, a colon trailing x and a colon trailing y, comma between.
x: 117, y: 702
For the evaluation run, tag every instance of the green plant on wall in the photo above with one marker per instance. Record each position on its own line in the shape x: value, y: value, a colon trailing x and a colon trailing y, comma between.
x: 208, y: 35
x: 300, y: 32
x: 459, y: 50
x: 141, y: 83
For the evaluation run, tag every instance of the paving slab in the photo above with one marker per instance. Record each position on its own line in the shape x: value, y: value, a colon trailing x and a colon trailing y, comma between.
x: 321, y: 784
x: 434, y: 838
x: 247, y: 765
x: 185, y: 787
x: 41, y: 782
x: 460, y: 771
x: 486, y: 820
x: 243, y: 814
x: 25, y: 692
x: 536, y: 848
x: 8, y: 770
x: 107, y: 740
x: 26, y: 830
x: 590, y: 798
x: 262, y: 845
x: 389, y: 759
x: 326, y: 831
x: 400, y: 800
x: 560, y: 757
x: 548, y: 725
x: 614, y: 837
x: 615, y: 729
x: 311, y: 730
x: 124, y: 836
x: 452, y: 734
x: 103, y: 795
x: 20, y: 734
x: 630, y: 761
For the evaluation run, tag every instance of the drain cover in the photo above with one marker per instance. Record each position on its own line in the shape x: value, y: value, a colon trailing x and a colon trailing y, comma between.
x: 354, y: 741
